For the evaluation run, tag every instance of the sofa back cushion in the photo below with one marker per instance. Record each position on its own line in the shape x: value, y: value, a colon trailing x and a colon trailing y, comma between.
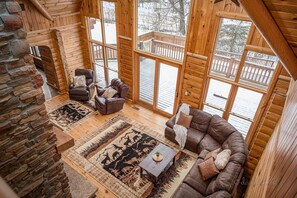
x: 219, y: 129
x: 239, y: 151
x: 200, y: 120
x: 225, y: 180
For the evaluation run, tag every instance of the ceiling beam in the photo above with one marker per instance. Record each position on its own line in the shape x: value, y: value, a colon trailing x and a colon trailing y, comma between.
x: 42, y: 9
x: 265, y: 23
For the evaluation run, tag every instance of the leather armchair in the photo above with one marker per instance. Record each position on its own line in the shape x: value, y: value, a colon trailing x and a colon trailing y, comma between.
x: 114, y: 104
x: 86, y: 92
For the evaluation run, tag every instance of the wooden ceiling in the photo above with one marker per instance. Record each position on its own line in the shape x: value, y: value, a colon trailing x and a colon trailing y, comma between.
x: 284, y: 13
x: 276, y: 20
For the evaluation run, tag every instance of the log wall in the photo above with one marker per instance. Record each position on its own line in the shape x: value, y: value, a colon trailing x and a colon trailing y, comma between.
x: 42, y: 32
x: 269, y: 121
x: 275, y: 175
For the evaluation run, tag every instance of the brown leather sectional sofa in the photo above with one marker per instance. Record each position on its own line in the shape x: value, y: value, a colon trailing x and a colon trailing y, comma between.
x: 205, y: 134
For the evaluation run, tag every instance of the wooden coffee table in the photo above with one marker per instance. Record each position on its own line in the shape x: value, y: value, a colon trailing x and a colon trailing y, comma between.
x: 155, y: 169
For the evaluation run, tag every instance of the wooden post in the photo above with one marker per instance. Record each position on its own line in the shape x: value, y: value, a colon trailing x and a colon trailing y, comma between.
x: 228, y: 74
x: 153, y: 46
x: 63, y: 56
x: 42, y: 9
x: 265, y: 23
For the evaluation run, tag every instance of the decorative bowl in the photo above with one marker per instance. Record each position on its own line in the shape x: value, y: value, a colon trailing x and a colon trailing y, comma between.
x: 157, y: 157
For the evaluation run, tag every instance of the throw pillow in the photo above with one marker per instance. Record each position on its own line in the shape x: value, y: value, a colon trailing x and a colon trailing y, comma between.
x: 208, y: 169
x: 213, y: 154
x: 184, y: 120
x: 222, y: 159
x: 79, y: 81
x: 109, y: 93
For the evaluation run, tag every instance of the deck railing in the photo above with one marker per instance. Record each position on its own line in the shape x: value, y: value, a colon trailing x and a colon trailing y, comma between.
x: 255, y: 73
x: 167, y: 49
x: 98, y: 55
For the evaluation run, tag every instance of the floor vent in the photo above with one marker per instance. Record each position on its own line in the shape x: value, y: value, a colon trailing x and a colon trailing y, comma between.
x: 136, y: 108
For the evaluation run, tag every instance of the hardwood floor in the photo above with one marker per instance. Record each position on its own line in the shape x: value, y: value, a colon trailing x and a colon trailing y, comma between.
x: 155, y: 121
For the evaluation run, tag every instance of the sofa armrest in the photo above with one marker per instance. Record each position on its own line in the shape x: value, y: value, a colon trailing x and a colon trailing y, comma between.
x: 90, y: 86
x: 221, y: 194
x: 111, y: 101
x: 171, y: 122
x: 203, y: 154
x: 100, y: 90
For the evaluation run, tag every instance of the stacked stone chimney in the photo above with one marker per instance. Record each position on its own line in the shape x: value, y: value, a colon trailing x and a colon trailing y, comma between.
x: 29, y: 162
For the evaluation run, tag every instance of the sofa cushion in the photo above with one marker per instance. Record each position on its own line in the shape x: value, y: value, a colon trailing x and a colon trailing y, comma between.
x: 200, y: 120
x: 195, y: 180
x: 109, y: 93
x: 222, y: 159
x: 186, y: 191
x: 193, y: 139
x: 220, y: 129
x: 208, y: 143
x: 225, y: 180
x: 235, y: 143
x: 79, y: 81
x: 213, y: 153
x: 208, y: 169
x: 184, y: 120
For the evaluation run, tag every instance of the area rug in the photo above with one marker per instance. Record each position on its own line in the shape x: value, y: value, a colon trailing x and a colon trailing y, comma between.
x: 111, y: 154
x: 69, y: 114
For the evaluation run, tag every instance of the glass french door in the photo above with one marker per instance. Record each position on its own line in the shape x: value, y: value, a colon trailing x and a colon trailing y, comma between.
x: 158, y: 84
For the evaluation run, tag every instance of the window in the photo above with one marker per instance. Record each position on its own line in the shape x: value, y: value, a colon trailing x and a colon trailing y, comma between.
x: 229, y: 48
x: 103, y: 42
x: 162, y: 27
x: 258, y: 69
x: 235, y: 87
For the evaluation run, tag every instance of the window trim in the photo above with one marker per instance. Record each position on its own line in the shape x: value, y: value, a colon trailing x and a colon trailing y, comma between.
x: 103, y: 43
x: 235, y: 84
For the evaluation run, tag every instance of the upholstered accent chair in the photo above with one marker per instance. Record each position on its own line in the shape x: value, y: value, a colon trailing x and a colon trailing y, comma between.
x: 114, y: 104
x: 83, y: 93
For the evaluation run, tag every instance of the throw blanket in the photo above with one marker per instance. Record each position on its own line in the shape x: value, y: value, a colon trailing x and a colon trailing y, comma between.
x: 181, y: 131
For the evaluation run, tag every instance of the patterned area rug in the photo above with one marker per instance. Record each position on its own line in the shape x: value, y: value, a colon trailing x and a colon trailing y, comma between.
x: 69, y: 114
x: 111, y: 155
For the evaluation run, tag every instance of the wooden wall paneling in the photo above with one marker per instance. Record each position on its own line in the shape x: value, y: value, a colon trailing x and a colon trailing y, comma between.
x: 268, y: 122
x: 67, y: 20
x: 49, y: 66
x: 280, y: 155
x: 73, y: 46
x: 194, y: 72
x: 46, y: 38
x: 90, y: 8
x: 125, y: 26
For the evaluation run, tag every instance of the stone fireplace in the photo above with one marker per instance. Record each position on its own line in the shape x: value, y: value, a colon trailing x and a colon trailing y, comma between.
x: 29, y: 162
